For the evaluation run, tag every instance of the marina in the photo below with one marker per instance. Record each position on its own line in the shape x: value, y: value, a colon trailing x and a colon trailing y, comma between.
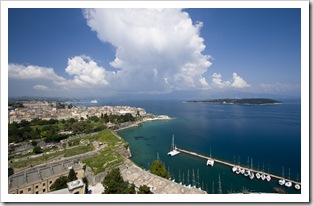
x: 244, y: 170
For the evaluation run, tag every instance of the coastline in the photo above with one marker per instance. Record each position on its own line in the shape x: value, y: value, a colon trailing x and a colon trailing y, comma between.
x: 138, y: 123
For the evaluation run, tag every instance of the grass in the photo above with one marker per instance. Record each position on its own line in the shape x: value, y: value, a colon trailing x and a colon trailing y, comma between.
x: 47, y: 157
x: 108, y: 157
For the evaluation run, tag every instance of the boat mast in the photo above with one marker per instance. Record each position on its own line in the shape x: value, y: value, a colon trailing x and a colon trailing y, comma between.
x: 193, y: 178
x: 198, y: 177
x: 219, y: 184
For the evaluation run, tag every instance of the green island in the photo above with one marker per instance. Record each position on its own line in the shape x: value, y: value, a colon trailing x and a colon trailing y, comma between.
x: 245, y: 101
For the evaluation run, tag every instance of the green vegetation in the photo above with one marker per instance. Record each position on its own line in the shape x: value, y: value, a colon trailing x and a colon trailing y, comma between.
x: 246, y: 101
x: 144, y: 189
x: 47, y: 157
x: 108, y: 157
x: 158, y: 168
x: 71, y: 175
x: 37, y: 150
x: 59, y: 183
x: 62, y: 181
x: 113, y: 183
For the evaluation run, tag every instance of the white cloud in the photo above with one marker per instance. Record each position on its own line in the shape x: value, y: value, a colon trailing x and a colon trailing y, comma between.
x: 41, y: 87
x: 236, y: 82
x: 85, y: 72
x: 17, y: 71
x: 158, y: 48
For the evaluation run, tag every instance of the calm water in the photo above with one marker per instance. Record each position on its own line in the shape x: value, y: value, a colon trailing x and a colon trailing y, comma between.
x: 270, y: 135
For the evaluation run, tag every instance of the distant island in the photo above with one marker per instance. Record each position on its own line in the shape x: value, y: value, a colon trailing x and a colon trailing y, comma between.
x: 245, y: 101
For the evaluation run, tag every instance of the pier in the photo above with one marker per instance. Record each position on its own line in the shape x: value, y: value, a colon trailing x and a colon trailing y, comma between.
x: 233, y: 165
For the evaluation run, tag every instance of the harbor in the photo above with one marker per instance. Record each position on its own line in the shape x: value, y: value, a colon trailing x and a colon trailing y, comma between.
x: 251, y: 170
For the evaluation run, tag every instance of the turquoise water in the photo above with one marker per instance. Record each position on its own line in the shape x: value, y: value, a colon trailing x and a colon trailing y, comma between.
x: 270, y: 135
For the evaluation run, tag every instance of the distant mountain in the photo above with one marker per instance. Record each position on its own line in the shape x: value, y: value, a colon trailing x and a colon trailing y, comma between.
x: 245, y: 101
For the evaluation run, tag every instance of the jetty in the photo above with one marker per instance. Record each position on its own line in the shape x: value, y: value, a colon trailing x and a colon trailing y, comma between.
x: 234, y: 165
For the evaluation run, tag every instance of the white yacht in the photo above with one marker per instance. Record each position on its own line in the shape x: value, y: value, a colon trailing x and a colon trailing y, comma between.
x: 297, y: 187
x: 234, y: 168
x: 288, y: 184
x: 282, y: 181
x: 263, y: 176
x: 258, y: 176
x: 251, y: 176
x: 174, y: 150
x: 210, y: 162
x: 268, y: 178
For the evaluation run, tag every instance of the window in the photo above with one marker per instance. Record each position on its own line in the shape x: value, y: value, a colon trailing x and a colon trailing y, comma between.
x: 21, y: 192
x: 50, y: 182
x: 29, y: 189
x: 43, y: 184
x: 37, y: 192
x: 36, y: 186
x: 43, y: 190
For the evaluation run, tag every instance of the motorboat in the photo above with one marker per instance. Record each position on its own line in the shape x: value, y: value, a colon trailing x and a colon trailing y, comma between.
x: 251, y: 176
x: 288, y: 184
x: 282, y: 181
x: 263, y: 176
x: 210, y: 162
x: 258, y: 176
x: 234, y: 168
x: 268, y: 178
x: 247, y: 173
x: 297, y: 187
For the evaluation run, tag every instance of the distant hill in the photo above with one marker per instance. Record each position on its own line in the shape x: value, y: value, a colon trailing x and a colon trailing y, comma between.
x: 245, y: 101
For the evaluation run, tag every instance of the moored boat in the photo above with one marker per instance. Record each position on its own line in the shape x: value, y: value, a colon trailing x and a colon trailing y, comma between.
x: 263, y: 176
x: 268, y: 178
x: 258, y: 176
x: 251, y: 176
x: 234, y: 168
x: 210, y: 162
x: 297, y: 187
x: 282, y: 181
x: 288, y: 184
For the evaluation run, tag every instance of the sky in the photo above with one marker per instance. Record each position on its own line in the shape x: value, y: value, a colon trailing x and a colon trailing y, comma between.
x: 159, y: 53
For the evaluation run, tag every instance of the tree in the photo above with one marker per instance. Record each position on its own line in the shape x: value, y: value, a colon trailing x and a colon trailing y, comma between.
x: 144, y: 189
x: 114, y: 184
x: 85, y: 180
x: 59, y: 183
x: 71, y: 175
x: 37, y: 150
x: 158, y: 168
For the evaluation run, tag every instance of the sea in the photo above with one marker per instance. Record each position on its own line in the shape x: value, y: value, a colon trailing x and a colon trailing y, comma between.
x: 264, y: 137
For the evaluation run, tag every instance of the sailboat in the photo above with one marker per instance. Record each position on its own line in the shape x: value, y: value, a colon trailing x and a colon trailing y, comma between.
x: 174, y: 150
x: 297, y: 186
x: 282, y: 181
x: 288, y: 184
x: 210, y: 161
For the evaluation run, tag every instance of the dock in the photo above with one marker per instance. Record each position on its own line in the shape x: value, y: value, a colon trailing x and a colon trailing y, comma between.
x: 233, y: 165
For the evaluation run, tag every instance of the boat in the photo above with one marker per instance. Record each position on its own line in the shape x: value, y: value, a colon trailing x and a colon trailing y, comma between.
x: 247, y: 173
x: 282, y: 181
x: 174, y: 150
x: 297, y: 187
x: 234, y: 168
x: 263, y: 176
x: 288, y: 184
x: 238, y: 170
x: 210, y: 161
x: 268, y: 178
x: 94, y: 101
x: 251, y: 176
x: 258, y: 176
x: 242, y: 171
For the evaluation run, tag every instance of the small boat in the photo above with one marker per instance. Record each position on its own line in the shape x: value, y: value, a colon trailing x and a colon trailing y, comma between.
x: 297, y: 187
x: 174, y: 150
x: 234, y: 168
x: 251, y: 176
x: 247, y: 173
x: 263, y: 176
x: 288, y: 184
x: 282, y: 181
x: 258, y: 175
x: 210, y: 162
x: 94, y: 101
x: 238, y: 170
x: 242, y: 171
x: 268, y: 178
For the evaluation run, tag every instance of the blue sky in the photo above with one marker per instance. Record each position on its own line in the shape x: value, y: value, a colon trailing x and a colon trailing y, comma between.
x: 189, y: 53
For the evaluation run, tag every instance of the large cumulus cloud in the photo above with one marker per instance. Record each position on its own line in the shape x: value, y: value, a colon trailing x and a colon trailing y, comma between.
x: 158, y: 48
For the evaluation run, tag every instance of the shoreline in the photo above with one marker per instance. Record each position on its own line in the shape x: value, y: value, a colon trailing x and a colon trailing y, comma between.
x: 138, y: 123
